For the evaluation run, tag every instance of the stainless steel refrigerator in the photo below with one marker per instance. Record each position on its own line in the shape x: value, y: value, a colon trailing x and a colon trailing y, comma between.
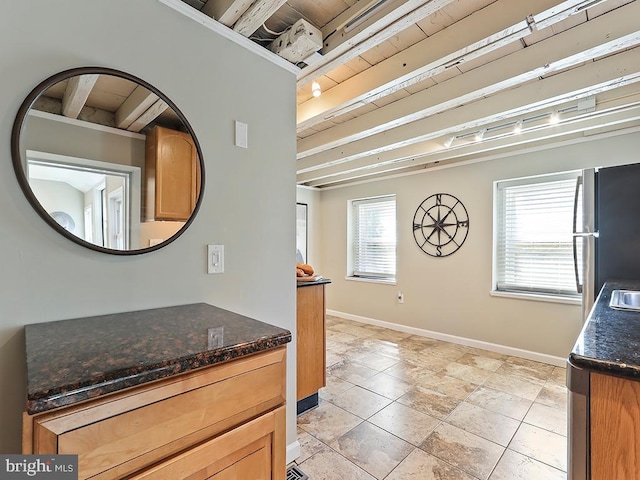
x: 606, y: 245
x: 606, y: 229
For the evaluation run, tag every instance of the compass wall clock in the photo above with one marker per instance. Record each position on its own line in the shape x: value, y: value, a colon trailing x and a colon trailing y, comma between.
x: 440, y: 225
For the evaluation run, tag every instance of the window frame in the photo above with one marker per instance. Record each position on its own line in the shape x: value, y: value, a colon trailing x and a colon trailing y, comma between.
x: 532, y: 293
x: 372, y: 278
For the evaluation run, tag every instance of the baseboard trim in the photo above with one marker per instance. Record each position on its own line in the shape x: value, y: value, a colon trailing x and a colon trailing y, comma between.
x: 469, y: 342
x: 293, y: 451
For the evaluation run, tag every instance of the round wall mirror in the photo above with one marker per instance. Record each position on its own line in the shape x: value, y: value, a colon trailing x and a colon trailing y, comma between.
x: 108, y: 161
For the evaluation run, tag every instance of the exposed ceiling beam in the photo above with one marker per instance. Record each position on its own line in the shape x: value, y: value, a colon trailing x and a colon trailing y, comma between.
x: 76, y: 94
x: 608, y: 102
x: 148, y: 116
x: 256, y: 15
x: 581, y: 128
x: 227, y: 12
x: 482, y: 32
x: 384, y: 15
x: 135, y: 105
x: 604, y: 35
x: 591, y: 78
x: 372, y: 33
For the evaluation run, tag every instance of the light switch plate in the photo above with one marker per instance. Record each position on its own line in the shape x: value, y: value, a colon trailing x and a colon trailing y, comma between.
x: 215, y: 258
x: 242, y: 135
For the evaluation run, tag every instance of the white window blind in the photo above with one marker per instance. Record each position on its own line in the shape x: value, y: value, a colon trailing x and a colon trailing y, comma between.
x: 533, y: 242
x: 373, y: 234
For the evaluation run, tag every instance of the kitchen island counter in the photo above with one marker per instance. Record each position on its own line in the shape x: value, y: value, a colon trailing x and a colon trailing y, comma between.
x: 69, y: 361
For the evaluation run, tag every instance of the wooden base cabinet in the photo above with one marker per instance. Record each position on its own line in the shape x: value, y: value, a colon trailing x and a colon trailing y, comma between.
x: 615, y: 428
x: 311, y: 342
x: 245, y: 452
x: 223, y: 422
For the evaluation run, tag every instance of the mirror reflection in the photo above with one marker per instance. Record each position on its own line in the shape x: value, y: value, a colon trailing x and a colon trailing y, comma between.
x: 107, y: 161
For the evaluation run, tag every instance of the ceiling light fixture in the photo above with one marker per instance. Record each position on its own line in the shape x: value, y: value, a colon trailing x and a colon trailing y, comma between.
x: 315, y: 89
x: 517, y: 128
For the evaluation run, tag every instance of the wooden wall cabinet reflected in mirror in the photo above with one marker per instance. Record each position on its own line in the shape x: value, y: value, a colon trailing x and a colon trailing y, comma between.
x: 108, y: 161
x: 172, y: 175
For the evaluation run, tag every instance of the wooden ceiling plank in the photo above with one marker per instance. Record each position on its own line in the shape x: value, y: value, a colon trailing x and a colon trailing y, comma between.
x: 258, y: 13
x: 340, y: 20
x: 553, y: 54
x: 148, y: 116
x: 437, y: 99
x: 317, y: 12
x: 358, y: 45
x: 135, y: 105
x: 227, y: 12
x: 368, y: 38
x: 76, y: 94
x: 478, y: 34
x: 591, y: 78
x: 389, y: 12
x: 424, y: 56
x: 384, y: 15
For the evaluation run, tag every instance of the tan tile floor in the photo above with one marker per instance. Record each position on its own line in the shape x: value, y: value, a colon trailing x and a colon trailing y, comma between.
x: 401, y: 407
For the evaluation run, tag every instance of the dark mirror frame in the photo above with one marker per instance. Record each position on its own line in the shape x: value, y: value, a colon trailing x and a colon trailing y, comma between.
x: 16, y: 136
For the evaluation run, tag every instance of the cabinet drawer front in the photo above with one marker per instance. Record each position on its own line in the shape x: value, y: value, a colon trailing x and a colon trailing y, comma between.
x: 134, y: 437
x: 247, y: 452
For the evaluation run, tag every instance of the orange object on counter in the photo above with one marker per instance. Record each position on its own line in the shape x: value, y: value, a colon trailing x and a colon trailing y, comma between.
x: 307, y: 269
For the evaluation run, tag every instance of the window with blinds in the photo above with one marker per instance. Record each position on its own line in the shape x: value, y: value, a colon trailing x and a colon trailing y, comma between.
x: 373, y: 238
x: 533, y: 250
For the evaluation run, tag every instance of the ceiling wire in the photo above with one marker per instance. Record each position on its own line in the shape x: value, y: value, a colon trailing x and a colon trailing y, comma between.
x: 264, y: 25
x: 270, y: 32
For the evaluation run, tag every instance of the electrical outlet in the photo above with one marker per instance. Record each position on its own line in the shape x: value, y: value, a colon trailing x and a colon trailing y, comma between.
x: 215, y: 258
x: 400, y: 297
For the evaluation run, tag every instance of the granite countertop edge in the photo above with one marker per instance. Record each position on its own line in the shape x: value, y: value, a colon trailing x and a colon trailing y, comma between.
x: 115, y: 381
x: 606, y: 367
x: 322, y: 281
x: 609, y: 342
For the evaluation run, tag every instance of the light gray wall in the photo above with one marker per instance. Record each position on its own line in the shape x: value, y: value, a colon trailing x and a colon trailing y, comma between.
x: 46, y: 135
x: 249, y: 200
x: 450, y: 295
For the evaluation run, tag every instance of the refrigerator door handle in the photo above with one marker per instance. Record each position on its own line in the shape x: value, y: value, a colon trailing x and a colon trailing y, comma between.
x: 576, y: 197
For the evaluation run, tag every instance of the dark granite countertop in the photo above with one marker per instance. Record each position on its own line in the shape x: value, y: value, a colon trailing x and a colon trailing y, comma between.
x: 610, y: 339
x: 73, y: 360
x: 306, y: 283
